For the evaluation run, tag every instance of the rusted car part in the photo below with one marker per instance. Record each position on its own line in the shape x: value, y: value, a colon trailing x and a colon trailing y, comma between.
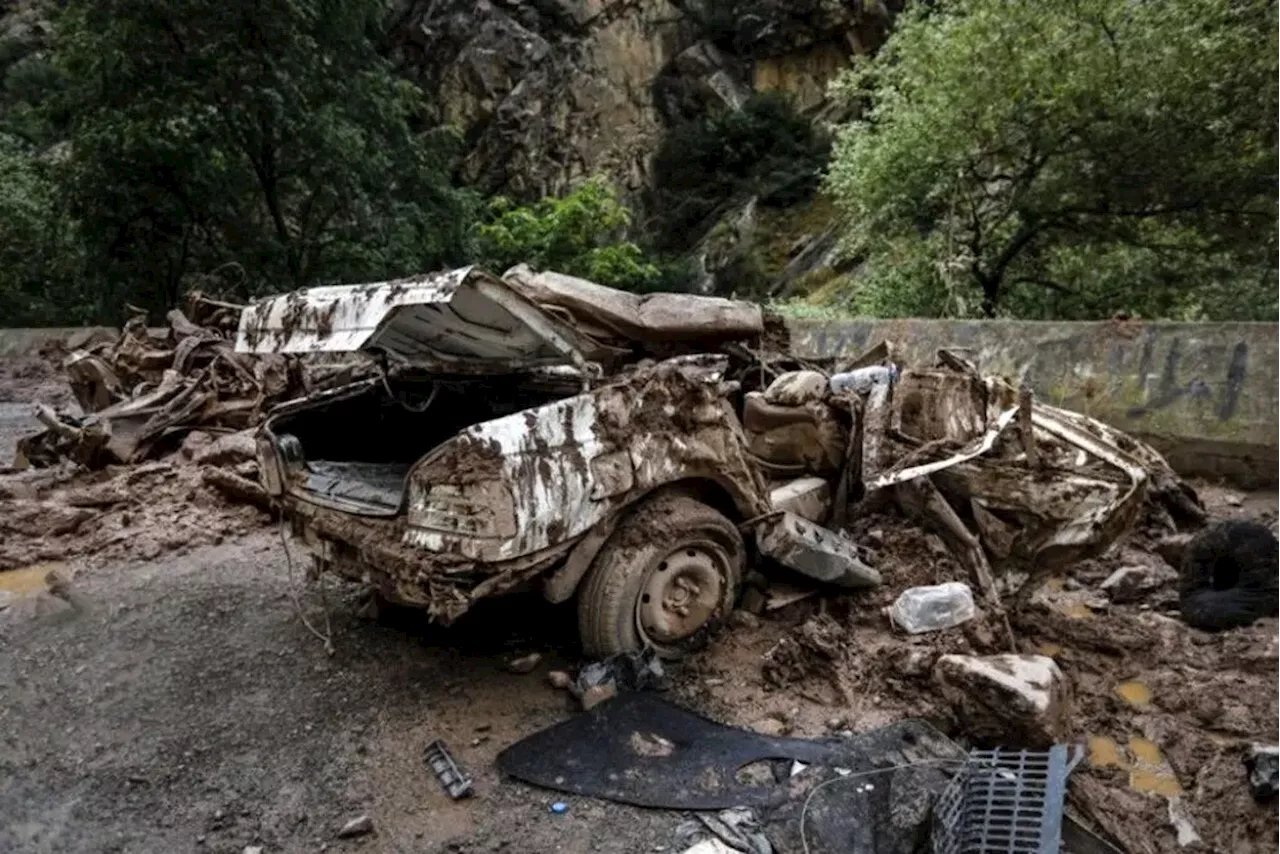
x: 542, y: 427
x: 1060, y: 488
x: 142, y: 392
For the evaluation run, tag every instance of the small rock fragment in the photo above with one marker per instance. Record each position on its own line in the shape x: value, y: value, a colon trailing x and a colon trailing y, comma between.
x: 1014, y: 700
x: 559, y: 679
x: 1263, y: 764
x: 252, y: 849
x: 358, y: 826
x: 1132, y: 583
x: 597, y: 694
x: 1171, y: 548
x: 744, y: 620
x: 525, y: 663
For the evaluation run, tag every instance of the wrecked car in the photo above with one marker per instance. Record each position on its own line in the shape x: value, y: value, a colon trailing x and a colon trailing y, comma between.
x: 536, y: 429
x: 638, y: 452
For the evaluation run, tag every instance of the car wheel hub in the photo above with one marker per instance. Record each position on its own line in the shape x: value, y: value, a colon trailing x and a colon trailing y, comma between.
x: 681, y: 593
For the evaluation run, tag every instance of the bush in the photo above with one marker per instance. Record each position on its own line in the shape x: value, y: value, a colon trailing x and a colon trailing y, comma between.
x: 580, y: 234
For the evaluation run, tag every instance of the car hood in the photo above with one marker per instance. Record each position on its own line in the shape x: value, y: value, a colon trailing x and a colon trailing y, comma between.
x: 464, y: 320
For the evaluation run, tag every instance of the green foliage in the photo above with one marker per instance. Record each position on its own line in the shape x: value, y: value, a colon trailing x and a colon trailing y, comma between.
x: 1065, y: 158
x: 765, y: 149
x: 579, y: 235
x: 41, y: 258
x: 268, y: 135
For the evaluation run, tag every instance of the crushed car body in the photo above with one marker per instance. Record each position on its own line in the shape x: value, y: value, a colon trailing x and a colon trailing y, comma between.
x: 635, y: 450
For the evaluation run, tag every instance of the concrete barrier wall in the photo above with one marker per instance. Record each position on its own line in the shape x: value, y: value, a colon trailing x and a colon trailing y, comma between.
x: 28, y: 341
x: 1205, y: 394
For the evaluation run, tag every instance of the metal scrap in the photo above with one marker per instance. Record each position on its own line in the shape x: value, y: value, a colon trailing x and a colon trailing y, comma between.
x: 140, y: 393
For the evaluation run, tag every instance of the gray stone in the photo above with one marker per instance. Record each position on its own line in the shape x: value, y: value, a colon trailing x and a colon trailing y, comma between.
x: 358, y: 826
x: 1007, y: 700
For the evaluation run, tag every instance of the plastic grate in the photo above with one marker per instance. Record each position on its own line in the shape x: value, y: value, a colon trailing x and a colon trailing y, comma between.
x: 1005, y: 802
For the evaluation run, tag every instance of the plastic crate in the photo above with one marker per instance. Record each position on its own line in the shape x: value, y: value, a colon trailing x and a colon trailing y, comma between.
x: 1005, y: 802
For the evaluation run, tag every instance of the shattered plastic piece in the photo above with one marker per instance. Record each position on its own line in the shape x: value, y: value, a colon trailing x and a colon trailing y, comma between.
x: 455, y: 782
x: 638, y: 671
x: 559, y: 807
x: 739, y: 829
x: 1263, y: 764
x: 934, y: 608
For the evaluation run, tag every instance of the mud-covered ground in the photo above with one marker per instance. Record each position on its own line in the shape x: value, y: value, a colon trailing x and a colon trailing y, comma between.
x: 171, y: 699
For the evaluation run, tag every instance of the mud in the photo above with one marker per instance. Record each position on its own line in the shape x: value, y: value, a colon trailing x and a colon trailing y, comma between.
x: 121, y: 512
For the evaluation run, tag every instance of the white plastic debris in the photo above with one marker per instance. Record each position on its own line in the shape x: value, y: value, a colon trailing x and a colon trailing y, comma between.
x: 933, y: 608
x: 863, y: 379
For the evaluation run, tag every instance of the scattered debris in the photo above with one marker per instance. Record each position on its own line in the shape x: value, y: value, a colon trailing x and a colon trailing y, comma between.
x: 1135, y: 582
x: 1022, y: 700
x: 455, y: 781
x: 524, y: 663
x: 142, y: 392
x: 358, y: 826
x: 1263, y: 764
x: 640, y: 671
x: 934, y: 608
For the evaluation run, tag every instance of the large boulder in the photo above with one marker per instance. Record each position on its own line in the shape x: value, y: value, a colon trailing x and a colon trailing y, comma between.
x: 1007, y: 700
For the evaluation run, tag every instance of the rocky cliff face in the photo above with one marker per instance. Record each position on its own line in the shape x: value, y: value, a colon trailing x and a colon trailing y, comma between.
x: 552, y: 91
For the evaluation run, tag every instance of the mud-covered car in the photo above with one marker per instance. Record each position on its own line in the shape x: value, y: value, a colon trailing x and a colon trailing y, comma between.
x: 542, y: 430
x: 639, y: 452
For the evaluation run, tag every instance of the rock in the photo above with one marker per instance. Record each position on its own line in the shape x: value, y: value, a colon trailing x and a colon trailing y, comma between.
x: 744, y: 620
x: 358, y: 826
x: 771, y: 726
x: 1171, y: 548
x: 1263, y: 764
x: 559, y: 679
x: 752, y: 602
x: 252, y: 849
x: 228, y: 450
x: 913, y: 662
x: 525, y: 663
x: 193, y: 443
x: 1007, y: 700
x: 1132, y: 583
x: 597, y: 694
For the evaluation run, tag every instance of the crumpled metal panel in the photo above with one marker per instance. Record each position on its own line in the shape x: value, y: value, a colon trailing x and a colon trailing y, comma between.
x: 564, y: 464
x: 465, y: 319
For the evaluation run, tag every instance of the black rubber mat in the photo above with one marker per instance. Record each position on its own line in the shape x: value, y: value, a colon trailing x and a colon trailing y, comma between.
x: 640, y: 749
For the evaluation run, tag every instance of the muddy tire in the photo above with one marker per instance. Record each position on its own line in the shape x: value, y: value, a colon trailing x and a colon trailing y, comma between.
x: 667, y: 576
x: 1229, y: 576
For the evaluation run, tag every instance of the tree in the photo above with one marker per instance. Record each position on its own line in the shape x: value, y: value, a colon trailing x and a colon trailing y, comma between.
x: 41, y: 257
x: 579, y: 235
x: 263, y: 136
x: 1065, y: 158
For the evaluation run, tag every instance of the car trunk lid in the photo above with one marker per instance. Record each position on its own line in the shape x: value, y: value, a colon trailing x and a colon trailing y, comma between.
x: 461, y: 321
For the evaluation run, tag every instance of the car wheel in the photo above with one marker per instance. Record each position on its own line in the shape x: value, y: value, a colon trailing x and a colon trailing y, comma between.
x: 1228, y: 577
x: 667, y: 576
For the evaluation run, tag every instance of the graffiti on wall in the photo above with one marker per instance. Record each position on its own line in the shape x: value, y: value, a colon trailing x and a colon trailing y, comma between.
x: 1173, y: 387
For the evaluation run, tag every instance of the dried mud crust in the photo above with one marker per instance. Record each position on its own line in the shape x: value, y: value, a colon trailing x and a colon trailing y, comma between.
x: 122, y: 512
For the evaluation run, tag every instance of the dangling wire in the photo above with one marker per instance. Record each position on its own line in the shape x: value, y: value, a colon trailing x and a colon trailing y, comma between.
x: 325, y: 637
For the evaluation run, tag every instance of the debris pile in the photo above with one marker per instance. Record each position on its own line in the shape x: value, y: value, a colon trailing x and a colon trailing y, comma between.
x: 142, y: 393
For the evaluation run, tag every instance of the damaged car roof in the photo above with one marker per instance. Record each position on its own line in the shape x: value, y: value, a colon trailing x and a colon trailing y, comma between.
x: 470, y: 320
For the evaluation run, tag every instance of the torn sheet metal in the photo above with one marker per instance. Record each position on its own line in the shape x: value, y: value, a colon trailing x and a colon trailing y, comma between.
x: 977, y: 449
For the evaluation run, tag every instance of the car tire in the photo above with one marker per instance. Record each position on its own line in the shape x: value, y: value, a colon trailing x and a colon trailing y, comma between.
x: 1228, y: 577
x: 666, y: 578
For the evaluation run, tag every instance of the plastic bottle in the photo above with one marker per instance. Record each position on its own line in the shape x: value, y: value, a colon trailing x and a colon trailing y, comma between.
x: 931, y: 609
x: 863, y: 379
